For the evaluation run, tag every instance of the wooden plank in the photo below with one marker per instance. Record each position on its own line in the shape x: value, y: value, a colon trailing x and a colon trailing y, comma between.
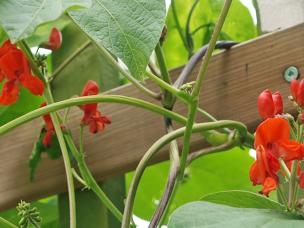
x: 233, y: 82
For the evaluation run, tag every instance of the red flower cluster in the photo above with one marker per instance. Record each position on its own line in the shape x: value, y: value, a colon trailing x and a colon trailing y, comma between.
x: 92, y: 117
x: 272, y: 140
x: 55, y: 40
x: 271, y: 143
x: 15, y: 69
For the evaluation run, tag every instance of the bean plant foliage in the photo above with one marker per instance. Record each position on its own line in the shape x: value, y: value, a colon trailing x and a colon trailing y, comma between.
x: 96, y: 45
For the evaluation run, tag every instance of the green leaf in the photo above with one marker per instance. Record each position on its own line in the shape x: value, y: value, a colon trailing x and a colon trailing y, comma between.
x: 216, y: 172
x: 239, y: 26
x: 53, y: 152
x: 42, y: 32
x: 19, y: 18
x: 129, y: 29
x: 26, y: 103
x: 204, y: 214
x: 243, y: 199
x: 87, y: 64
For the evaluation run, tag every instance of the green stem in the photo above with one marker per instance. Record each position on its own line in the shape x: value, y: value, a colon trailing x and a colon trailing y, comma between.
x: 66, y: 159
x: 168, y: 97
x: 258, y: 16
x: 157, y: 146
x: 89, y: 179
x: 196, y: 91
x: 178, y: 93
x: 80, y: 180
x: 207, y: 57
x: 55, y: 120
x: 292, y: 184
x: 90, y: 99
x: 285, y: 168
x: 6, y: 223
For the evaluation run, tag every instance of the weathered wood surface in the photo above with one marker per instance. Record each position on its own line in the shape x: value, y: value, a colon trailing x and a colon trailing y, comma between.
x: 234, y: 80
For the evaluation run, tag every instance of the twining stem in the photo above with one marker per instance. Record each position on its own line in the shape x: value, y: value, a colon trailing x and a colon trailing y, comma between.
x: 178, y: 93
x: 157, y: 146
x: 171, y: 182
x: 77, y: 177
x: 192, y: 106
x: 231, y: 142
x: 90, y: 99
x: 6, y: 223
x: 49, y: 98
x: 66, y: 159
x: 168, y: 97
x: 88, y: 177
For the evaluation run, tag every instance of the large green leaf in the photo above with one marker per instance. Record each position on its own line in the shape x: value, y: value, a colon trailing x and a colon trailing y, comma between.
x: 204, y: 214
x: 239, y: 26
x: 129, y: 29
x: 87, y: 64
x: 245, y: 199
x: 212, y: 173
x: 19, y: 18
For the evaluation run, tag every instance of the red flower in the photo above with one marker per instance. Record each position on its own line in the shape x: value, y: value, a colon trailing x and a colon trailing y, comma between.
x: 15, y: 68
x: 55, y: 40
x: 92, y: 117
x: 272, y: 142
x: 263, y: 170
x: 270, y: 104
x: 273, y: 135
x: 297, y: 91
x: 49, y: 126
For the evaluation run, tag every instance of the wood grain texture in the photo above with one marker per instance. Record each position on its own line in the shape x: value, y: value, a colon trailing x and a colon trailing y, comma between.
x: 234, y: 80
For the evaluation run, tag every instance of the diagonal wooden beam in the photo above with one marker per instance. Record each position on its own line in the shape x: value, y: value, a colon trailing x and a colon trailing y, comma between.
x: 234, y: 80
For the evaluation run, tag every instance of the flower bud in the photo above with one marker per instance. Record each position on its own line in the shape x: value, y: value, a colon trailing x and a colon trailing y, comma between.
x: 55, y: 40
x: 297, y: 92
x: 270, y: 104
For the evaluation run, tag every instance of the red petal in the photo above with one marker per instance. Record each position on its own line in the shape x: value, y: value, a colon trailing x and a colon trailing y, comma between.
x: 300, y: 94
x: 301, y: 180
x: 10, y: 93
x: 6, y: 47
x: 289, y: 150
x: 294, y: 85
x: 266, y: 105
x: 47, y: 139
x: 278, y: 103
x: 91, y: 88
x: 271, y: 131
x: 93, y: 127
x: 269, y: 185
x: 55, y: 39
x: 255, y: 175
x: 33, y: 84
x: 11, y: 64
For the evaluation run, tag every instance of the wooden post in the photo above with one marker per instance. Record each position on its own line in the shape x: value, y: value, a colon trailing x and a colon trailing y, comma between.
x: 234, y: 80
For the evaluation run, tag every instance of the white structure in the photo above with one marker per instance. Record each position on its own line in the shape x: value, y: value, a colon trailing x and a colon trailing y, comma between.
x: 280, y: 14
